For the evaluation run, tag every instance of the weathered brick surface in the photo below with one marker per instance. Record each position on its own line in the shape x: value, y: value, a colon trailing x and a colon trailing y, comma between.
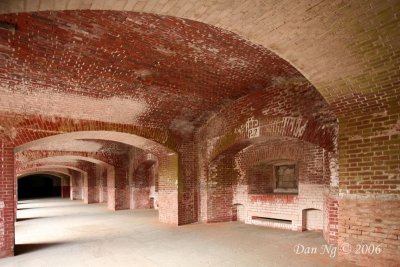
x: 372, y: 221
x: 7, y: 199
x: 369, y: 148
x: 131, y: 73
x: 363, y: 35
x: 175, y: 77
x: 275, y: 116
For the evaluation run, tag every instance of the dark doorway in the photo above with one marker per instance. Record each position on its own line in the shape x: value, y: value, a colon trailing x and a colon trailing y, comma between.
x: 39, y: 186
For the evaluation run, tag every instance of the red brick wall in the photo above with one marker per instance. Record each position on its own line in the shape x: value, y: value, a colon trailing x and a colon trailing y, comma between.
x: 369, y: 151
x: 370, y: 222
x: 7, y: 198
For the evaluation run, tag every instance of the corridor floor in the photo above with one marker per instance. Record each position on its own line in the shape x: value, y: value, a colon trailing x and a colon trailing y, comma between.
x: 59, y: 232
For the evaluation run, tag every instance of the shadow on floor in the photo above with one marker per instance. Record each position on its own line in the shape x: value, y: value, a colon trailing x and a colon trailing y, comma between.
x: 47, y: 207
x: 31, y: 218
x: 27, y: 248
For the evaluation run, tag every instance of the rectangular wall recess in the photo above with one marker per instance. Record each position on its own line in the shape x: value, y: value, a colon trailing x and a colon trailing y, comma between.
x: 272, y: 220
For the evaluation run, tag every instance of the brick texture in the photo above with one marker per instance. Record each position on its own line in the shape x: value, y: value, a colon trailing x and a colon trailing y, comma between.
x: 184, y: 106
x: 7, y: 199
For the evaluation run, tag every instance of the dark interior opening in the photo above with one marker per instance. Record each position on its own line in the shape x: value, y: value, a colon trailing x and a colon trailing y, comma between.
x: 39, y: 186
x: 274, y: 220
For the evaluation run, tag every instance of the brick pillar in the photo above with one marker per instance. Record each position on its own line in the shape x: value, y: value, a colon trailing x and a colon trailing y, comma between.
x: 102, y: 186
x: 188, y: 190
x: 7, y: 199
x: 219, y: 190
x: 168, y: 189
x: 141, y: 188
x: 331, y: 194
x: 90, y: 193
x: 65, y: 187
x: 76, y: 183
x: 117, y: 186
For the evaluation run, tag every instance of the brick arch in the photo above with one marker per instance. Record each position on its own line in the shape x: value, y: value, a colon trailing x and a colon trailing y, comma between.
x: 63, y: 168
x: 69, y: 158
x: 169, y: 174
x: 30, y: 155
x: 359, y: 69
x: 302, y: 113
x: 58, y: 173
x: 90, y: 189
x: 255, y: 154
x: 277, y: 128
x: 234, y: 161
x: 168, y: 163
x: 116, y: 136
x: 75, y: 182
x: 295, y: 150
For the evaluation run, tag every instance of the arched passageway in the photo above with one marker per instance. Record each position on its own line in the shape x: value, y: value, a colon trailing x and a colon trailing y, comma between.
x: 253, y: 111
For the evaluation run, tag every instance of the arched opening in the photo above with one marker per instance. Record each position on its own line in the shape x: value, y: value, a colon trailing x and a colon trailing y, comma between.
x: 163, y: 176
x: 313, y: 220
x: 88, y: 186
x: 268, y: 182
x: 144, y: 185
x: 39, y: 186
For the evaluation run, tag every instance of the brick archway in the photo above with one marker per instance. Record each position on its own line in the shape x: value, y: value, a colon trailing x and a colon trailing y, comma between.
x: 357, y: 76
x: 90, y: 187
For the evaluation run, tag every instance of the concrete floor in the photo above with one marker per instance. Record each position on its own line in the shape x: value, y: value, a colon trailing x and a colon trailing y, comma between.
x: 59, y: 232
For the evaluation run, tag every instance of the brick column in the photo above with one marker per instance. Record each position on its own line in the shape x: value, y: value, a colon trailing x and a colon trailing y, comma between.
x: 188, y: 190
x: 117, y: 187
x: 7, y: 199
x: 168, y: 189
x: 65, y: 187
x: 90, y: 193
x: 102, y: 186
x: 219, y: 190
x: 141, y: 188
x: 76, y: 183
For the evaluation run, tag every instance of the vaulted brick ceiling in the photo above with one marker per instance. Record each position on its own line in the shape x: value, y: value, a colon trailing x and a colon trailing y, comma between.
x: 135, y: 68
